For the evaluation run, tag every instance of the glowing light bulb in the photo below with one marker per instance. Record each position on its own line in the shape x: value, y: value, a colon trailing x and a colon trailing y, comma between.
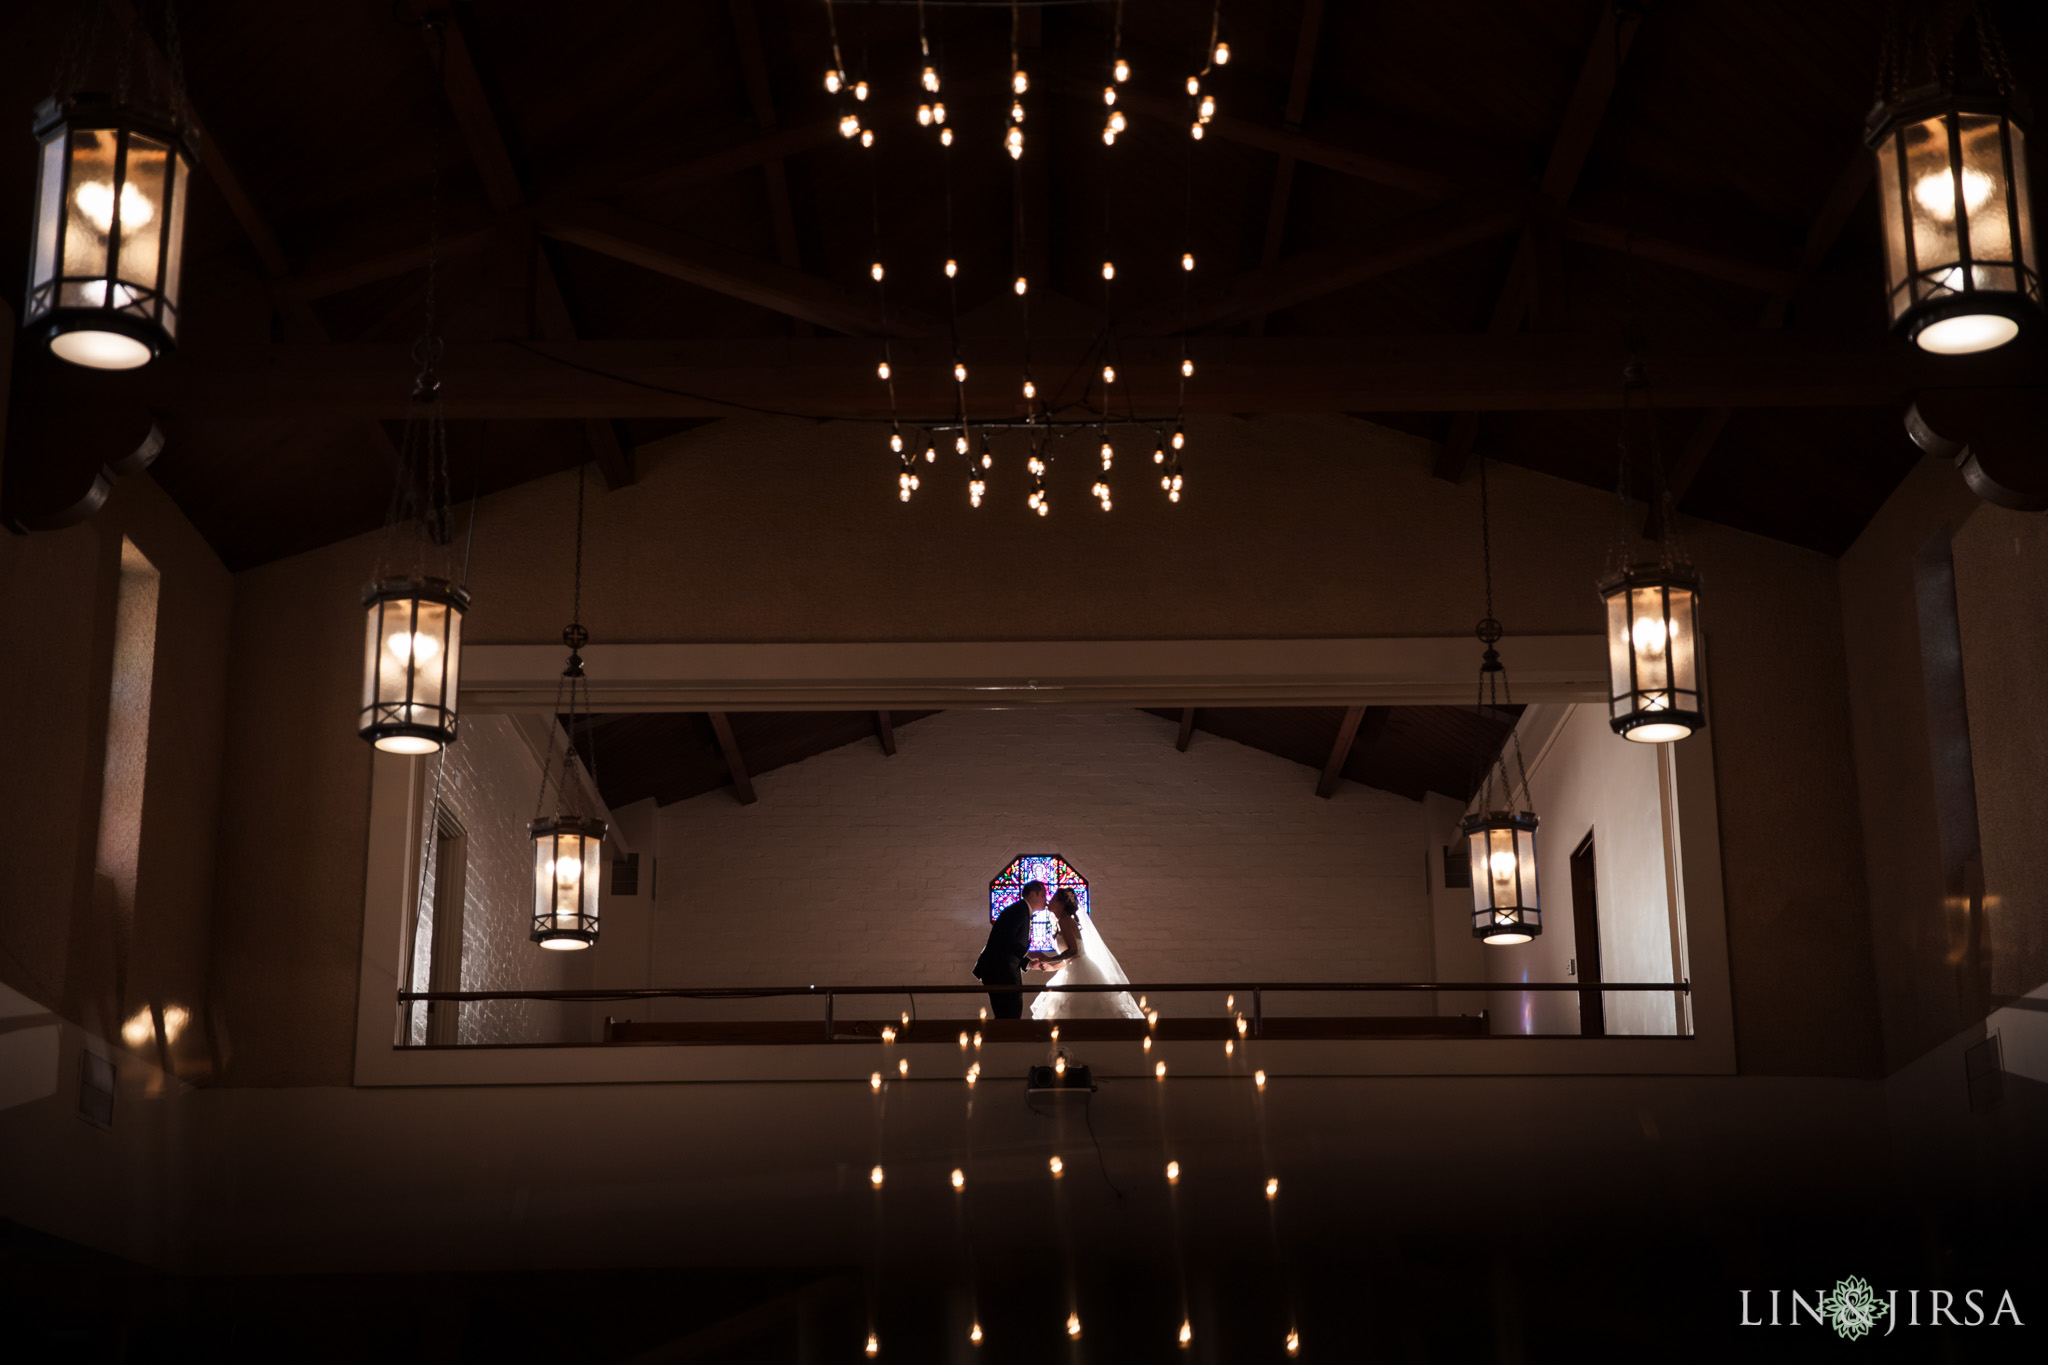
x: 1109, y: 374
x: 904, y: 1018
x: 903, y: 483
x: 1030, y: 389
x: 1152, y: 1018
x: 867, y: 137
x: 945, y: 137
x: 959, y: 1178
x: 939, y: 113
x: 1015, y: 143
x: 1159, y: 1071
x: 1229, y: 1046
x: 959, y: 373
x: 1294, y: 1343
x: 1016, y: 112
x: 963, y: 1040
x: 1207, y: 109
x: 1022, y: 286
x: 1187, y: 260
x: 1172, y: 1171
x: 1158, y: 456
x: 848, y: 125
x: 409, y: 645
x: 952, y: 268
x: 1649, y: 634
x: 924, y: 115
x: 1109, y: 94
x: 1141, y: 1002
x: 1259, y: 1079
x: 1195, y: 132
x: 860, y: 90
x: 1109, y: 137
x: 1109, y: 270
x: 982, y: 1014
x: 931, y: 455
x: 1055, y: 1033
x: 875, y: 1177
x: 1187, y: 369
x: 960, y: 444
x: 1223, y: 54
x: 1020, y: 81
x: 875, y: 1081
x: 1057, y: 1167
x: 95, y: 199
x: 931, y: 80
x: 1176, y: 483
x: 1180, y: 438
x: 139, y: 1029
x: 1059, y: 1066
x: 874, y: 1347
x: 975, y: 1335
x: 882, y: 372
x: 1187, y: 1332
x: 1108, y: 454
x: 1044, y: 508
x: 1173, y: 495
x: 1148, y: 1043
x: 1241, y: 1026
x: 1117, y: 122
x: 888, y: 1031
x: 1194, y: 85
x: 1122, y: 69
x: 986, y: 460
x: 1273, y: 1187
x: 903, y: 1065
x: 972, y: 1077
x: 876, y: 271
x: 832, y: 82
x: 1073, y: 1326
x: 1502, y: 865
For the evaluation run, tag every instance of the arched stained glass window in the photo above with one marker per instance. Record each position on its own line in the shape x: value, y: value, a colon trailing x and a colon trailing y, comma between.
x: 1056, y: 872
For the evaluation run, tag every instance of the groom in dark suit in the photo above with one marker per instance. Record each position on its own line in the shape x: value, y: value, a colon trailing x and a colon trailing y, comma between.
x: 1007, y: 955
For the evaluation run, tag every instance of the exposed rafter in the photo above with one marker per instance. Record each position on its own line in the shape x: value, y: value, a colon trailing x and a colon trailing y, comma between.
x: 1340, y: 750
x: 735, y: 762
x: 774, y: 173
x: 885, y: 731
x: 1283, y: 171
x: 1187, y: 729
x: 487, y: 149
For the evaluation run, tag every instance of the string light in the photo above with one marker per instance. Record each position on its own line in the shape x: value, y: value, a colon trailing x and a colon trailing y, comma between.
x: 1101, y: 490
x: 1187, y: 1332
x: 939, y: 112
x: 905, y: 1018
x: 1148, y: 1043
x: 1014, y: 140
x: 960, y: 444
x: 977, y: 1040
x: 959, y: 1178
x: 874, y: 1347
x: 1294, y: 1343
x: 1059, y: 1066
x: 875, y: 1081
x: 959, y: 377
x: 1223, y: 54
x: 1030, y: 389
x: 1019, y: 83
x: 1109, y: 137
x: 952, y: 268
x: 1241, y: 1026
x: 1073, y: 1326
x: 982, y: 1014
x: 975, y: 489
x: 849, y: 124
x: 963, y: 1040
x: 931, y: 455
x: 1016, y: 111
x: 1187, y: 368
x: 1057, y: 1167
x: 1187, y: 260
x: 972, y: 1076
x: 1207, y: 109
x: 875, y: 1177
x: 860, y: 90
x: 1159, y: 1071
x: 832, y: 82
x: 1122, y: 69
x: 945, y: 137
x: 1108, y: 455
x: 1229, y: 1046
x: 867, y: 137
x: 975, y: 1335
x: 1172, y: 1168
x: 1117, y: 123
x: 1180, y: 437
x: 1109, y: 94
x: 895, y: 437
x: 1158, y: 455
x: 876, y: 271
x: 1194, y: 85
x: 1152, y: 1018
x: 1109, y: 270
x: 924, y: 115
x: 1259, y: 1079
x: 882, y: 372
x: 888, y: 1033
x: 931, y: 80
x: 1195, y: 131
x: 903, y: 1066
x: 1273, y: 1187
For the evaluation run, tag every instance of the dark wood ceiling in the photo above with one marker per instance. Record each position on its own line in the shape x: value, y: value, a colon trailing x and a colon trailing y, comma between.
x: 671, y: 756
x: 1450, y: 169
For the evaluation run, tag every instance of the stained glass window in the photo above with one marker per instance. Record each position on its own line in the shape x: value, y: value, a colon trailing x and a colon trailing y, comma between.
x: 1056, y: 872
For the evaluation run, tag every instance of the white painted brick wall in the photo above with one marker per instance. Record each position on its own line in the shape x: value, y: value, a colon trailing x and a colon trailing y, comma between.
x: 1220, y: 863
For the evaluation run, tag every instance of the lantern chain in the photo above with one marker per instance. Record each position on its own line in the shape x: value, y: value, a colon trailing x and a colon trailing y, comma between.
x: 573, y: 680
x: 1991, y: 45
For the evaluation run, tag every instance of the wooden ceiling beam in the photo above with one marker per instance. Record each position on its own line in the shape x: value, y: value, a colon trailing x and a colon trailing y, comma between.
x: 597, y: 227
x: 1187, y: 729
x: 481, y: 133
x: 774, y: 172
x: 1697, y: 260
x: 885, y: 731
x: 1340, y: 750
x: 1283, y: 171
x: 1351, y: 161
x: 1371, y: 253
x: 831, y: 378
x: 735, y: 762
x: 1599, y: 73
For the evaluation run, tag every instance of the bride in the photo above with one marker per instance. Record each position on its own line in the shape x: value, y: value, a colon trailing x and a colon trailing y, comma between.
x: 1089, y: 963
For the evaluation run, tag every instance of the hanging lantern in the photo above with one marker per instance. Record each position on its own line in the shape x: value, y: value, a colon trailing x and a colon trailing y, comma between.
x: 1506, y: 905
x: 109, y: 234
x: 412, y: 653
x: 566, y: 868
x: 1653, y: 613
x: 1960, y: 263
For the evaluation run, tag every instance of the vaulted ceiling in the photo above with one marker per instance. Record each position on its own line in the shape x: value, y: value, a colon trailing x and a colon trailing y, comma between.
x: 1439, y: 216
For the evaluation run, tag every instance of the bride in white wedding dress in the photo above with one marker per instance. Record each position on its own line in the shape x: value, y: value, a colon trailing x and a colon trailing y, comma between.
x: 1092, y: 964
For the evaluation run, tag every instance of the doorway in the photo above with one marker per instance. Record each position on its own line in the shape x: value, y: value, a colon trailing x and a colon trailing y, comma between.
x: 1586, y: 938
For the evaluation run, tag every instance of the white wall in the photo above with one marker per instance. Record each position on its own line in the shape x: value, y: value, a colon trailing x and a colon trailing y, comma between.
x: 1586, y: 779
x: 1217, y: 863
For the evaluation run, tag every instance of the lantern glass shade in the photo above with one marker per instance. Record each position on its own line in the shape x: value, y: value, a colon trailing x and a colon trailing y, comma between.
x: 412, y: 656
x: 1653, y: 653
x: 566, y: 873
x: 1507, y: 906
x: 109, y: 234
x: 1958, y: 221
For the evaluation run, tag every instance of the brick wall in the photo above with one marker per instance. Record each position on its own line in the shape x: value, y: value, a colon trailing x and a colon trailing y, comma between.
x: 1218, y: 863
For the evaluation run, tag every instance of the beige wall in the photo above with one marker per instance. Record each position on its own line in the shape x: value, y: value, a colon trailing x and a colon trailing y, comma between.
x: 64, y: 941
x: 776, y: 531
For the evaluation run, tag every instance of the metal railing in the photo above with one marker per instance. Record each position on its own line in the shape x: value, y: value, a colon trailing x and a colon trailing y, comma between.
x: 1256, y: 990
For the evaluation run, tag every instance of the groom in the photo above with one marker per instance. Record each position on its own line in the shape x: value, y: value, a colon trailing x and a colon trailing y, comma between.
x: 1007, y: 955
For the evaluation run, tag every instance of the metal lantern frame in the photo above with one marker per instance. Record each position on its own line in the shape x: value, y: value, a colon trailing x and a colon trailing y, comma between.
x: 1938, y: 268
x: 565, y: 910
x: 1653, y: 674
x: 126, y: 283
x: 1505, y: 910
x: 409, y: 692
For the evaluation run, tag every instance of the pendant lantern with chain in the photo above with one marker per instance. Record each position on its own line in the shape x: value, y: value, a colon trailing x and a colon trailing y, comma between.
x: 1652, y: 596
x: 567, y: 846
x: 1500, y: 836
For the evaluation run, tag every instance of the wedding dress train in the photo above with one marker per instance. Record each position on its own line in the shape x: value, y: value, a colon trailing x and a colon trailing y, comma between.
x: 1094, y: 965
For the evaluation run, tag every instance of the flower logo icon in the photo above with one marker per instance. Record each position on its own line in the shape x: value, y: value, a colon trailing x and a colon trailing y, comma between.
x: 1853, y: 1308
